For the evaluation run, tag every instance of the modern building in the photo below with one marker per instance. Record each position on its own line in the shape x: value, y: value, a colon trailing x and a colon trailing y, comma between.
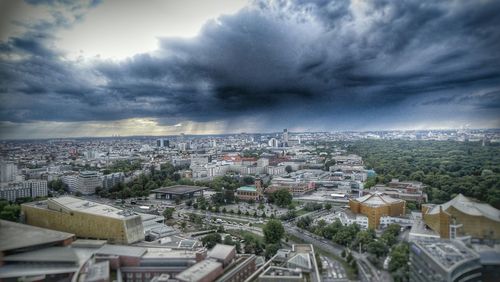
x: 461, y: 217
x: 85, y: 182
x: 296, y: 189
x: 178, y: 191
x: 443, y: 261
x: 112, y: 179
x: 85, y: 219
x: 29, y: 253
x: 161, y: 143
x: 409, y: 194
x: 377, y: 205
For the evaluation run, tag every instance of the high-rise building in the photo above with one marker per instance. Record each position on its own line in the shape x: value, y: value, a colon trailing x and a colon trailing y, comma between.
x: 8, y: 171
x: 87, y: 182
x: 273, y: 142
x: 285, y: 137
x: 161, y: 143
x: 31, y: 188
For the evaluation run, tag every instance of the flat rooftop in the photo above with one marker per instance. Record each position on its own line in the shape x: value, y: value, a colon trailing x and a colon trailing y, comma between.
x: 68, y: 204
x: 179, y: 189
x: 16, y: 236
x: 199, y: 270
x: 447, y: 253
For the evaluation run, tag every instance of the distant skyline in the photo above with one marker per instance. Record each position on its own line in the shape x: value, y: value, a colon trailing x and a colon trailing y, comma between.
x: 103, y: 68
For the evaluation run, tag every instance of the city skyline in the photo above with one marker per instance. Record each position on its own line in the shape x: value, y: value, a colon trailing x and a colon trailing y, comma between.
x: 103, y: 68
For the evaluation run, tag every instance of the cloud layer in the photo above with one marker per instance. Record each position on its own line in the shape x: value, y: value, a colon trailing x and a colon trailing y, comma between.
x: 330, y: 64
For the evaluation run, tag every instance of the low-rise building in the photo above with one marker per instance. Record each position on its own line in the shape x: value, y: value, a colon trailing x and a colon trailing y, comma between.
x: 377, y: 205
x: 85, y: 219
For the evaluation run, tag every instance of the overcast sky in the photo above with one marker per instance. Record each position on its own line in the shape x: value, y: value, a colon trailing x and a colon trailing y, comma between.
x: 102, y: 68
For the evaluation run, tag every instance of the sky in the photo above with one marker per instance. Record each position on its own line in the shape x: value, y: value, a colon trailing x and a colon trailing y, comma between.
x: 104, y: 68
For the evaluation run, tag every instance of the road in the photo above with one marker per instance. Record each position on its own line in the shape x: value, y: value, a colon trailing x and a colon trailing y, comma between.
x: 366, y: 270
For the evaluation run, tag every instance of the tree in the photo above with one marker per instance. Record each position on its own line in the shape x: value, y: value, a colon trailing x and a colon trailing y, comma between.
x: 282, y: 197
x: 10, y: 212
x: 271, y: 250
x: 168, y: 213
x: 378, y: 248
x: 210, y: 240
x: 288, y: 169
x: 273, y: 231
x: 328, y: 206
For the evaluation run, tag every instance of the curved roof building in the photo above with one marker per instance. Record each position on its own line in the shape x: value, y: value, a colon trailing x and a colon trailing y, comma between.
x: 377, y: 205
x: 463, y: 216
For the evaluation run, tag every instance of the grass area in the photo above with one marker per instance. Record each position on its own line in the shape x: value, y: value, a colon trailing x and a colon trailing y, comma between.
x: 349, y: 271
x: 243, y: 233
x: 302, y: 212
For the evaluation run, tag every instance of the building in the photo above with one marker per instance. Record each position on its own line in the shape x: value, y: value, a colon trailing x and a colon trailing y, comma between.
x: 223, y: 253
x: 273, y: 142
x: 204, y: 271
x: 296, y: 189
x: 29, y: 253
x: 87, y: 181
x: 26, y: 189
x: 112, y: 179
x: 377, y: 205
x: 161, y: 143
x: 463, y: 216
x: 408, y: 193
x: 243, y: 267
x: 250, y: 192
x: 285, y: 137
x: 178, y: 191
x: 8, y: 171
x: 296, y: 265
x: 443, y: 261
x: 85, y: 219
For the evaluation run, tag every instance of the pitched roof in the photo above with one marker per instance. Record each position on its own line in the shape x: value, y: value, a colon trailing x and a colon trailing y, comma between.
x: 377, y: 199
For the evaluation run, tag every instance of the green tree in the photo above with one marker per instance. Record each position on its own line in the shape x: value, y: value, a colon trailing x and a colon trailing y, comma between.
x: 168, y: 213
x: 378, y: 248
x: 273, y: 231
x: 288, y: 169
x: 271, y: 250
x: 210, y: 240
x: 328, y: 206
x: 282, y: 197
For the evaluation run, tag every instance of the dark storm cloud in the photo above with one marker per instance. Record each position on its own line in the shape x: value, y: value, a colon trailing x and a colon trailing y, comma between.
x: 308, y: 58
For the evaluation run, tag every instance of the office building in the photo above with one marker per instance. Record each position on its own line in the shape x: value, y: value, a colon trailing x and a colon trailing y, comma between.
x: 85, y: 219
x: 461, y: 217
x: 204, y: 271
x: 112, y: 179
x: 162, y: 143
x: 377, y: 205
x: 87, y: 181
x: 443, y: 261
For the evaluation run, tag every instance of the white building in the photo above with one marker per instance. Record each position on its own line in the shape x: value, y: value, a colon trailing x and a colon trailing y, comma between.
x: 273, y: 142
x: 110, y: 180
x: 85, y: 182
x: 31, y: 188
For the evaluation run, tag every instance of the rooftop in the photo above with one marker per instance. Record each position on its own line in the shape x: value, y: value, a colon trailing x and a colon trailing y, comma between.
x: 179, y: 189
x: 468, y: 206
x: 248, y: 188
x: 121, y: 250
x: 16, y: 236
x: 46, y: 255
x: 377, y: 199
x: 199, y: 270
x: 221, y: 251
x: 448, y: 253
x: 67, y: 204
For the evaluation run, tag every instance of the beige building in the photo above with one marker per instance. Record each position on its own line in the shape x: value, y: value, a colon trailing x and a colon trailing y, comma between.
x: 85, y: 219
x: 377, y: 205
x: 462, y: 216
